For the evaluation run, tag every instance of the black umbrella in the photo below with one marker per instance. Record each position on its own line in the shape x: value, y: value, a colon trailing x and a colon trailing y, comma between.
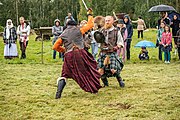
x: 171, y: 14
x: 161, y: 8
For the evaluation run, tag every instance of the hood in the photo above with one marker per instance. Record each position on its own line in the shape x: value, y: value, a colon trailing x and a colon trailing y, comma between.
x: 129, y: 20
x: 56, y: 20
x: 7, y: 25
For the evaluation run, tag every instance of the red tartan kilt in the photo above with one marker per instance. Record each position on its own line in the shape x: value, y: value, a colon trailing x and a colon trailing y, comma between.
x: 82, y: 67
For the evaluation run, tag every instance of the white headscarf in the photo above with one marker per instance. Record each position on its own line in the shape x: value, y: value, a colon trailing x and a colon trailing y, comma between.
x: 8, y: 27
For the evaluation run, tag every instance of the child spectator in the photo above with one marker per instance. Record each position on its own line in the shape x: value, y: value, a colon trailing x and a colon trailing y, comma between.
x: 159, y: 36
x: 143, y: 55
x: 166, y: 41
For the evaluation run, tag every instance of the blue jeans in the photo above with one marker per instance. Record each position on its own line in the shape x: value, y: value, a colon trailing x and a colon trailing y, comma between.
x: 167, y: 56
x: 94, y: 47
x: 61, y: 55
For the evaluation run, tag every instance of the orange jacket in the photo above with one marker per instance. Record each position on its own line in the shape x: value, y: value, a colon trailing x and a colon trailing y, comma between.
x: 58, y: 44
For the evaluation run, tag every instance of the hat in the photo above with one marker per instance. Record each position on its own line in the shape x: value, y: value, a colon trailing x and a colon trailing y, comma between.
x: 120, y: 21
x: 143, y: 47
x: 99, y: 37
x: 72, y: 22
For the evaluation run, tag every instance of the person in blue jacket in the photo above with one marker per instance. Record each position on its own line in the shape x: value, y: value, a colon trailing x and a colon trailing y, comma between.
x: 129, y: 27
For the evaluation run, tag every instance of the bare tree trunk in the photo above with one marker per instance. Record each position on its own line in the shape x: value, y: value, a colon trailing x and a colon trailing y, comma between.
x: 17, y: 14
x: 177, y: 5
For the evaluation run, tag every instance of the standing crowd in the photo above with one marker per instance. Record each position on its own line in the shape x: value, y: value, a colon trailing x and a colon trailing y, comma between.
x: 165, y: 36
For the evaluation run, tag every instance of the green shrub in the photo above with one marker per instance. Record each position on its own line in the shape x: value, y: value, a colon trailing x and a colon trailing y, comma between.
x: 1, y: 28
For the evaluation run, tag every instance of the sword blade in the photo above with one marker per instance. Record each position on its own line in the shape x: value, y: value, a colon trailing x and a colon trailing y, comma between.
x: 85, y: 5
x: 115, y: 15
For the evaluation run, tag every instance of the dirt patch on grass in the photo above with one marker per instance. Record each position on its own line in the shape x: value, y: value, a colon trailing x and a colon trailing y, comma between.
x: 120, y: 105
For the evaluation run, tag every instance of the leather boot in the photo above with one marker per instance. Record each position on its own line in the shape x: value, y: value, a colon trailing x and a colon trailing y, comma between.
x: 60, y: 87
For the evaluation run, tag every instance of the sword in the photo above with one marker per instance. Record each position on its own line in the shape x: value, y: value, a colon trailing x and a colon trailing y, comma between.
x: 85, y: 5
x: 115, y: 15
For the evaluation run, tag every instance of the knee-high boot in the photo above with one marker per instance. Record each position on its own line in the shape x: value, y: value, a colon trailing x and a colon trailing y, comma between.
x: 60, y: 87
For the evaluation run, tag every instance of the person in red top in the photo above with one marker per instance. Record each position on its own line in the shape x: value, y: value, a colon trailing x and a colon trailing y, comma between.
x: 166, y: 42
x: 79, y: 64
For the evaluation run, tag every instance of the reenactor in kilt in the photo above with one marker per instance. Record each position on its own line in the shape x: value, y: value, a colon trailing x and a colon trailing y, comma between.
x: 78, y: 64
x: 109, y: 64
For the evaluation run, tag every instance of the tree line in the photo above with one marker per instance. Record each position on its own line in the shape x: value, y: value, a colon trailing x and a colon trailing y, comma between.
x: 44, y: 12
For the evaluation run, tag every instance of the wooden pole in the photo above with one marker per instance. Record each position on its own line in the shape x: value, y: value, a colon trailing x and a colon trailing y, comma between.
x: 42, y: 61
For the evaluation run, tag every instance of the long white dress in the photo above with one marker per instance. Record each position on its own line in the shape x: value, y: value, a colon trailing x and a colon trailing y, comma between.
x: 10, y: 50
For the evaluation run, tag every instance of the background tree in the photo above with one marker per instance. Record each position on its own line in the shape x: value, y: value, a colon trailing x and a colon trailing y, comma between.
x: 44, y: 12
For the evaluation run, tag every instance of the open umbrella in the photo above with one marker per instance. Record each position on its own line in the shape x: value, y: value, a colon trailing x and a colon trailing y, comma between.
x: 161, y: 8
x: 171, y: 14
x: 145, y: 43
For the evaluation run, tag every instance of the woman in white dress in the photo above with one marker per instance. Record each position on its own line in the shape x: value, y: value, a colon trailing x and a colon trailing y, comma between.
x: 10, y: 38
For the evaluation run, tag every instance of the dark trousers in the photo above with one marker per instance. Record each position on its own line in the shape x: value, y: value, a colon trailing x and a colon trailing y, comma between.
x: 160, y: 52
x: 179, y: 52
x: 23, y: 49
x: 140, y: 32
x: 61, y: 55
x: 109, y: 74
x: 128, y: 49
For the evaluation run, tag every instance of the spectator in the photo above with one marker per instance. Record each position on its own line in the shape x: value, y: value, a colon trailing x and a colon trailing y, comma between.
x: 143, y: 55
x: 67, y: 18
x: 56, y: 31
x: 94, y: 45
x: 159, y: 36
x: 164, y: 18
x: 177, y: 41
x: 141, y: 26
x: 175, y: 26
x: 23, y: 32
x: 166, y: 41
x: 129, y: 27
x: 124, y: 33
x: 10, y: 38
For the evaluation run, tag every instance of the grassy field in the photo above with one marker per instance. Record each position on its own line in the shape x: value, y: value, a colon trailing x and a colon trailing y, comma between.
x: 27, y: 89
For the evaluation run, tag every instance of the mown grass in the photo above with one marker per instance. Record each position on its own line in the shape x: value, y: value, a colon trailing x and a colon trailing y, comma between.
x: 27, y: 89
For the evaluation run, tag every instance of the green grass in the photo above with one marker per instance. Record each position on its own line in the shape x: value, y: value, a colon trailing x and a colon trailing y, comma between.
x: 27, y: 89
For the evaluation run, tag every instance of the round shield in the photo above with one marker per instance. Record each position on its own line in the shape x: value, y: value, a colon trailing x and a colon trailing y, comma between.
x: 99, y: 37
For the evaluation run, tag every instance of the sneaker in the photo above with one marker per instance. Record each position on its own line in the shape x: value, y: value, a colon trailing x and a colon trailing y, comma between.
x: 168, y: 62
